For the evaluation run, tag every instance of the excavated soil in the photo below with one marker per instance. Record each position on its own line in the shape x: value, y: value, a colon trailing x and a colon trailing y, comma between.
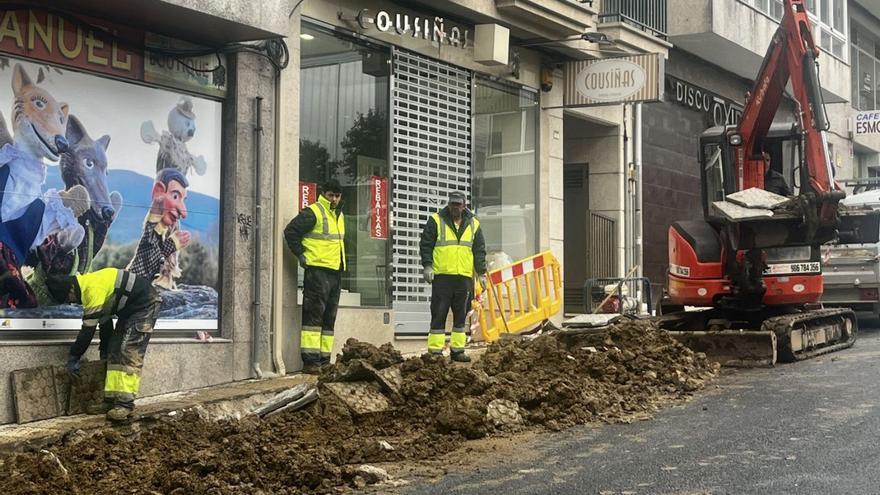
x: 551, y: 381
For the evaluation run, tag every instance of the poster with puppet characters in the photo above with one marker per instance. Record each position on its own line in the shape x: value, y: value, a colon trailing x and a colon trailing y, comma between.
x: 97, y: 172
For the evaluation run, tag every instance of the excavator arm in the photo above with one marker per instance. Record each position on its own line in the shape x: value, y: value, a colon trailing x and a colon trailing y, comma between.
x: 792, y: 56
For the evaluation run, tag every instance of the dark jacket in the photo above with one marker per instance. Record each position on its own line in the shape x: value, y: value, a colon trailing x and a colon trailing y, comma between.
x: 429, y: 238
x: 301, y: 225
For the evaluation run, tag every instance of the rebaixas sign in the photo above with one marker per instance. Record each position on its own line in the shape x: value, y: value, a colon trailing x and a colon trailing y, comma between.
x: 424, y: 27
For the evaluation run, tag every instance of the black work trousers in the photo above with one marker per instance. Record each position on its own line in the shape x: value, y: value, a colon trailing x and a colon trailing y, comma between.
x: 450, y: 292
x: 321, y: 289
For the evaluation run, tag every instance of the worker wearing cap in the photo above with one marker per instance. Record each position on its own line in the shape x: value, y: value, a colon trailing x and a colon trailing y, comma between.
x: 105, y: 294
x: 452, y: 251
x: 317, y: 238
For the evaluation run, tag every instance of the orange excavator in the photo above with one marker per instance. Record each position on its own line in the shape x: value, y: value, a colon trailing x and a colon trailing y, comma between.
x: 753, y: 263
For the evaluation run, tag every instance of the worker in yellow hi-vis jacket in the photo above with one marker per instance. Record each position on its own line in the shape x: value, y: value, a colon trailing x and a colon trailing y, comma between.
x: 135, y: 303
x: 453, y: 250
x: 317, y: 238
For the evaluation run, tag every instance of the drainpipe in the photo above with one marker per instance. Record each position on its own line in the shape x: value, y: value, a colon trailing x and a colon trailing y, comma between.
x: 258, y: 142
x: 627, y: 209
x: 275, y: 333
x: 639, y: 224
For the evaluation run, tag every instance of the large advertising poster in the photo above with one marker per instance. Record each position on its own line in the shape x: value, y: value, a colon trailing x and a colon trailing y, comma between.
x: 97, y: 172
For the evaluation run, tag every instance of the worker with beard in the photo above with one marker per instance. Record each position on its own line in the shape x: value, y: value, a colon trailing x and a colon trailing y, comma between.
x: 452, y: 250
x: 317, y: 238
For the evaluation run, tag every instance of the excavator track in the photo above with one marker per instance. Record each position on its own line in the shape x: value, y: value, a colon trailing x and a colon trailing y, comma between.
x: 804, y: 335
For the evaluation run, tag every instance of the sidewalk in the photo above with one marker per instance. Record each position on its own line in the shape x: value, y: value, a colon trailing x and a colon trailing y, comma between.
x: 230, y: 400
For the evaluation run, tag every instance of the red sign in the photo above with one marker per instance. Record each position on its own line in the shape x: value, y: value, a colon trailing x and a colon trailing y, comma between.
x: 308, y: 194
x: 379, y: 207
x: 53, y: 38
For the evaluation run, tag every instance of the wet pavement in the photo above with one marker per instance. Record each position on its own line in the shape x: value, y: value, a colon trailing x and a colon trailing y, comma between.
x: 806, y: 428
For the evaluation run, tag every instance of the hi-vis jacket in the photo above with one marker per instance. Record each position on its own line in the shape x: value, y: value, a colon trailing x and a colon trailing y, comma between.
x: 111, y: 292
x: 451, y: 250
x: 318, y: 233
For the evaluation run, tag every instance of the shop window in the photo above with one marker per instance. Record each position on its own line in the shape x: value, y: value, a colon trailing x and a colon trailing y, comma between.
x: 344, y: 136
x: 865, y: 69
x: 505, y: 166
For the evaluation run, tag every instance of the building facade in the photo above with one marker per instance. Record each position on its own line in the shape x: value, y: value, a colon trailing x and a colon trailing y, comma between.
x: 413, y: 112
x: 158, y: 85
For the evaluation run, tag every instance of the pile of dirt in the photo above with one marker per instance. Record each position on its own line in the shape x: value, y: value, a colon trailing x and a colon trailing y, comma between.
x: 551, y: 381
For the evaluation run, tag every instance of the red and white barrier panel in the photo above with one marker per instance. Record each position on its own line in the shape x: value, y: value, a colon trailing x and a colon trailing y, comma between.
x: 515, y: 270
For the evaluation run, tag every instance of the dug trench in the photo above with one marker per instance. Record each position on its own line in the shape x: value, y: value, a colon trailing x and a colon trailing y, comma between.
x: 552, y: 381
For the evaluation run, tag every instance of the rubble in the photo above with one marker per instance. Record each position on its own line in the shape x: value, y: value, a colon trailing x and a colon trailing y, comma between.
x: 431, y: 407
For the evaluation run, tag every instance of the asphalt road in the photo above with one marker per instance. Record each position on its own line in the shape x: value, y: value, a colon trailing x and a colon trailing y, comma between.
x: 804, y: 428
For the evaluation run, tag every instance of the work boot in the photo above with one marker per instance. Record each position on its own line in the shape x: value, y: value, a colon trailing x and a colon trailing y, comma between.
x: 311, y: 368
x: 100, y: 408
x: 459, y: 357
x: 119, y: 414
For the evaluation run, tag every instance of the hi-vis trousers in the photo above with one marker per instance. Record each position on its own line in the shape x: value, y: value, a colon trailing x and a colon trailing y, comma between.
x: 126, y: 351
x: 449, y: 291
x: 321, y: 289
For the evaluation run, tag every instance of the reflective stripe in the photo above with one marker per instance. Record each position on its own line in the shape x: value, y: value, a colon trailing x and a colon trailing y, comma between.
x: 324, y: 220
x: 310, y: 338
x: 326, y: 343
x: 91, y: 322
x: 436, y: 341
x: 454, y: 243
x: 324, y: 237
x: 458, y: 340
x: 121, y: 382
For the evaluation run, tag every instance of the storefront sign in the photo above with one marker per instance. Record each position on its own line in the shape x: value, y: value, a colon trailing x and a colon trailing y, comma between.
x: 720, y: 110
x: 379, y: 207
x: 118, y: 132
x: 308, y: 194
x: 191, y: 73
x: 52, y: 38
x: 868, y: 123
x: 635, y: 78
x: 424, y: 27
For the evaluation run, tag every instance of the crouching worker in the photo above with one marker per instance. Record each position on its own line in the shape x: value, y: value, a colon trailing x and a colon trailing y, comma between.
x: 105, y: 294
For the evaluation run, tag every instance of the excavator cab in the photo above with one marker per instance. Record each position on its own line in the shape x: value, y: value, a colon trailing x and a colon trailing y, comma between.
x: 718, y: 146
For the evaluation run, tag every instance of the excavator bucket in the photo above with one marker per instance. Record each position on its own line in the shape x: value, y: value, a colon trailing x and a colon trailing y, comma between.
x: 737, y: 348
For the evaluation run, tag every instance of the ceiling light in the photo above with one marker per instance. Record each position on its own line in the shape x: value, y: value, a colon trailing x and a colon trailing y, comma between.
x: 306, y: 36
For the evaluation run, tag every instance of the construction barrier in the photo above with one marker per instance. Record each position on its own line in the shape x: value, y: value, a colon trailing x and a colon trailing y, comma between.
x: 519, y: 296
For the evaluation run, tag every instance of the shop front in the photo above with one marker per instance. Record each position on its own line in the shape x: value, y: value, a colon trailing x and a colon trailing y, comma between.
x: 393, y: 105
x: 115, y: 151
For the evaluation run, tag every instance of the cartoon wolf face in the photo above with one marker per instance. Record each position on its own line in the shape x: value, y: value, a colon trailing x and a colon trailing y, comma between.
x: 85, y: 163
x: 38, y: 120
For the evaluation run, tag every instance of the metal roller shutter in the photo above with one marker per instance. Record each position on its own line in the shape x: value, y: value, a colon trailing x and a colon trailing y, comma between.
x: 432, y: 157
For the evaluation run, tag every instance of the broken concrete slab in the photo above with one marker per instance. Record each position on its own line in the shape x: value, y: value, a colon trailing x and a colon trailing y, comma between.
x: 737, y: 213
x: 502, y: 412
x: 47, y: 392
x: 282, y: 399
x: 310, y: 396
x: 591, y: 320
x: 360, y: 397
x: 34, y: 394
x: 754, y: 197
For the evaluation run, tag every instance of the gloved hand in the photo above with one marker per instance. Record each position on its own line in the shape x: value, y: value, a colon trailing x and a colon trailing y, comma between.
x: 428, y: 273
x: 73, y: 367
x: 302, y: 260
x: 484, y: 282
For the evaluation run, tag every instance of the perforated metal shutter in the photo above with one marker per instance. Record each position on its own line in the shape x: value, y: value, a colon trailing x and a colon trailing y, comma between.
x: 432, y: 157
